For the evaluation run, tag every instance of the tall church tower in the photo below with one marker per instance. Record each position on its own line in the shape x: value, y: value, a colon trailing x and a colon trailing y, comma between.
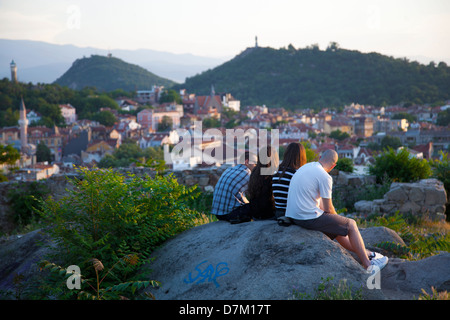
x: 23, y: 123
x: 13, y: 71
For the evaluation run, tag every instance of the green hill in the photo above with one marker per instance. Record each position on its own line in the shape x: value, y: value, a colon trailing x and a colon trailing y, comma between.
x: 312, y: 77
x: 108, y: 74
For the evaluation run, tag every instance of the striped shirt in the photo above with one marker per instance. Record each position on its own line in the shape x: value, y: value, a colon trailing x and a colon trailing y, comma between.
x: 227, y: 192
x: 280, y: 187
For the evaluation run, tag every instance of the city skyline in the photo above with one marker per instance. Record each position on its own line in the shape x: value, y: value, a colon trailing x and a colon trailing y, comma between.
x: 418, y: 30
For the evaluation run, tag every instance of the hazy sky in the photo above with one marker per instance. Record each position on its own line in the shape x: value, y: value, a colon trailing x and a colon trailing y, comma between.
x: 224, y: 28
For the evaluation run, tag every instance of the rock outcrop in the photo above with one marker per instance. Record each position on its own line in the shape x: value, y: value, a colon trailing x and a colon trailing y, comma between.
x: 258, y: 260
x: 19, y: 256
x: 426, y: 197
x: 261, y: 260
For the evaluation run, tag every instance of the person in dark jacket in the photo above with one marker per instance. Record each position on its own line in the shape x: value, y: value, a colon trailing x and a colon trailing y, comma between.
x: 262, y: 204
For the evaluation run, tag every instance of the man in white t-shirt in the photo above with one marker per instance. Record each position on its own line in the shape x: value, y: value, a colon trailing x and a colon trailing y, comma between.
x: 310, y: 205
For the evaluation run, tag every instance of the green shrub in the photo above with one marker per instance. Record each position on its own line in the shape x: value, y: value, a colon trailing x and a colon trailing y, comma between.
x: 345, y: 164
x: 399, y: 166
x: 108, y: 216
x: 422, y: 238
x: 24, y: 198
x: 441, y: 170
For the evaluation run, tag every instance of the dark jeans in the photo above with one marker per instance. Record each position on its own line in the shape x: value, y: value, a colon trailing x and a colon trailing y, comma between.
x: 238, y: 215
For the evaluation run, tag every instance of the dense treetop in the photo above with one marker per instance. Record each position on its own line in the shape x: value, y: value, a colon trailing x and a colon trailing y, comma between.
x: 108, y: 74
x: 311, y: 77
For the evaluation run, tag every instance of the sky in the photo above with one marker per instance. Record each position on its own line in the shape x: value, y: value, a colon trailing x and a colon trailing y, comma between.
x: 399, y: 28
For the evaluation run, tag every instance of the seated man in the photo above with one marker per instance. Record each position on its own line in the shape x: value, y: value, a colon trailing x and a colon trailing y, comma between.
x: 309, y: 205
x: 229, y: 192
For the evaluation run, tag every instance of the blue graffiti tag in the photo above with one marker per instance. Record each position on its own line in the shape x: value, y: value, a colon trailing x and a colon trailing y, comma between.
x: 209, y: 273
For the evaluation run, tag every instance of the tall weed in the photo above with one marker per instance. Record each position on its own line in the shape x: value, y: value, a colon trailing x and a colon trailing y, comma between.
x: 108, y: 216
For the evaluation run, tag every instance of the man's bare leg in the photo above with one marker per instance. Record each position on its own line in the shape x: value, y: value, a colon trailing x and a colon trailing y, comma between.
x: 355, y: 243
x: 345, y: 242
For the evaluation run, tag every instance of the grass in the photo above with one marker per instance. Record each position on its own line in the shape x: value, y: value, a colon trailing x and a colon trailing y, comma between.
x: 327, y: 290
x: 423, y: 238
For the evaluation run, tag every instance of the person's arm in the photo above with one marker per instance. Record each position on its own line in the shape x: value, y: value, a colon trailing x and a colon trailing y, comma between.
x: 243, y: 197
x: 328, y: 206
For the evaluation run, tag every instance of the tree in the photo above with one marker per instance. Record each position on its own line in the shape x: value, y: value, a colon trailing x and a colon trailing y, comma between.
x: 390, y: 142
x: 210, y: 123
x: 166, y: 124
x: 9, y: 117
x: 403, y: 115
x: 124, y: 156
x: 43, y: 153
x: 339, y: 135
x: 106, y: 118
x: 345, y: 164
x: 51, y: 112
x: 443, y: 118
x: 170, y: 96
x: 311, y: 155
x: 8, y: 155
x: 399, y: 166
x: 333, y: 46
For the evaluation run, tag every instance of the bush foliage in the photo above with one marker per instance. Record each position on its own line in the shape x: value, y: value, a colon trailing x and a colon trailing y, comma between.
x: 399, y: 166
x: 109, y: 216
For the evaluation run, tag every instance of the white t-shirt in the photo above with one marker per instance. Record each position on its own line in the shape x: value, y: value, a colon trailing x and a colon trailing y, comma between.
x: 308, y: 186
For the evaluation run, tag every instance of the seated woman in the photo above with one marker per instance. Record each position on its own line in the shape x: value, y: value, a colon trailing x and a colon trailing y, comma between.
x: 262, y: 204
x: 294, y: 158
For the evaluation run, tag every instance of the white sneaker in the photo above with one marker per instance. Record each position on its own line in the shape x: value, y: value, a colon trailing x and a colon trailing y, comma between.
x: 375, y: 255
x: 377, y: 264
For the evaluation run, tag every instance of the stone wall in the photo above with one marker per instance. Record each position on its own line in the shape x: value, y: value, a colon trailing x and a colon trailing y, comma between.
x: 425, y: 197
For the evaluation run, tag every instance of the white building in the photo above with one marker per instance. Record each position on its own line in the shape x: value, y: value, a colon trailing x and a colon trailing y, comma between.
x: 69, y: 113
x: 158, y: 139
x: 230, y: 102
x: 149, y: 96
x: 386, y: 125
x: 33, y: 116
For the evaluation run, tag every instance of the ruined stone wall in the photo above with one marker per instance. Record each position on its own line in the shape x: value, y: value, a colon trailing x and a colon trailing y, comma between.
x: 426, y: 197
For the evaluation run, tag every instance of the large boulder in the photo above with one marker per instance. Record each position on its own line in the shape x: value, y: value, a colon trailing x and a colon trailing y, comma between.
x: 375, y: 235
x: 403, y: 279
x: 258, y: 260
x: 19, y: 256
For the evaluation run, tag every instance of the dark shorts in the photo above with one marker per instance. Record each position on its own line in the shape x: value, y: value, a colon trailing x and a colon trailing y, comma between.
x: 332, y: 225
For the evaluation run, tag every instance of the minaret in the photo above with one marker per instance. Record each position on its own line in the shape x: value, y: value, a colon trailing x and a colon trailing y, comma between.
x: 23, y: 123
x: 13, y: 71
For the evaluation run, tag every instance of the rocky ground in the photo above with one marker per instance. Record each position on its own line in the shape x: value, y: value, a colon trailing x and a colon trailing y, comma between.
x: 257, y: 260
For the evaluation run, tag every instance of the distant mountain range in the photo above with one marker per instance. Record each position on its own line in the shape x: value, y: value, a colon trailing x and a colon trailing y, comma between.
x: 285, y: 77
x: 108, y: 74
x: 44, y: 62
x: 311, y: 77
